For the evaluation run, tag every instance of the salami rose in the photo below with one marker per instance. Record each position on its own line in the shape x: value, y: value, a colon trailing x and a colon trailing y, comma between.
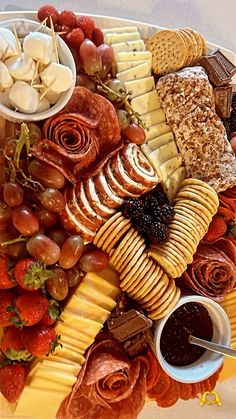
x: 109, y: 385
x: 213, y: 272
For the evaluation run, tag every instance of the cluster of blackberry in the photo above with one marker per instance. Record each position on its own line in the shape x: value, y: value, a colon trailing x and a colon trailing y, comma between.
x: 150, y: 214
x: 230, y: 123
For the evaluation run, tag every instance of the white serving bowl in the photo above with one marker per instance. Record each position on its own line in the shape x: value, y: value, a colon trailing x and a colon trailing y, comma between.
x: 209, y: 362
x: 23, y: 27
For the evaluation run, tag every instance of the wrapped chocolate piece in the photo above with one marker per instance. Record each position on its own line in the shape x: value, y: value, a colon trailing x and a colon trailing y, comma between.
x: 128, y: 325
x: 216, y: 71
x: 223, y: 99
x: 228, y: 65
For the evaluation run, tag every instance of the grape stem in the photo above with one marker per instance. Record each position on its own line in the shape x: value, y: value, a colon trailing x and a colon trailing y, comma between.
x: 14, y: 163
x: 122, y: 99
x: 12, y: 241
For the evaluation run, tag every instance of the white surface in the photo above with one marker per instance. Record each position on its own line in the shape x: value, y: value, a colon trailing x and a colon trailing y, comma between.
x: 217, y: 21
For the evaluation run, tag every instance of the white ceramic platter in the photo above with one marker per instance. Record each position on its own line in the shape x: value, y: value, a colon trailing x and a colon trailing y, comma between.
x: 226, y: 390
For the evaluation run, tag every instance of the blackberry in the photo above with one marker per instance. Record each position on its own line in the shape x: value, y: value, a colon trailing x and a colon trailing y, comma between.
x: 226, y: 122
x: 132, y: 208
x: 234, y: 102
x: 143, y: 223
x: 158, y: 233
x: 233, y: 122
x: 155, y: 200
x: 164, y: 213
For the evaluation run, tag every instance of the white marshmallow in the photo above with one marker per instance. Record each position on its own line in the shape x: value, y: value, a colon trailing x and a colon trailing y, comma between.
x: 6, y: 80
x: 8, y: 44
x: 4, y: 98
x: 51, y: 95
x: 38, y: 46
x: 44, y: 105
x: 24, y: 97
x: 21, y: 67
x: 58, y: 77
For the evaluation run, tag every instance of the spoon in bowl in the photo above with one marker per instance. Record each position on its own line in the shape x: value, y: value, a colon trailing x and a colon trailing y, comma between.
x: 215, y: 347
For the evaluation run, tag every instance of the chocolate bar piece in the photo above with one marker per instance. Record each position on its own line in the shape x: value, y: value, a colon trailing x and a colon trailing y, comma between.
x: 228, y: 65
x: 223, y: 99
x: 216, y: 71
x: 138, y: 343
x: 128, y: 325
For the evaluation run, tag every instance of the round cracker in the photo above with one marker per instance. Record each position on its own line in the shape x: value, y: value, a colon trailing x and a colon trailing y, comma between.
x: 204, y: 46
x: 168, y: 51
x: 121, y: 248
x: 105, y: 226
x: 148, y: 282
x: 175, y: 258
x: 197, y: 197
x: 195, y: 181
x: 206, y: 193
x: 190, y: 54
x: 143, y: 284
x: 157, y: 290
x: 192, y: 209
x: 183, y: 239
x: 135, y: 254
x: 192, y: 219
x: 177, y: 226
x: 194, y: 44
x: 183, y: 248
x: 131, y: 269
x: 134, y: 274
x: 187, y: 224
x: 198, y: 42
x: 115, y: 235
x: 166, y: 307
x: 130, y: 251
x: 134, y: 283
x: 154, y: 302
x: 165, y: 263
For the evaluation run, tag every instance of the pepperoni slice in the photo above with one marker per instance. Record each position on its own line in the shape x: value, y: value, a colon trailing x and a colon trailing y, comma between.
x: 161, y: 387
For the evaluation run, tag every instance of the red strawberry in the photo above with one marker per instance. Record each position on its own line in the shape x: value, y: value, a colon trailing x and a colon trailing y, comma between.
x: 12, y: 381
x: 30, y: 274
x: 30, y: 309
x: 87, y: 25
x: 47, y: 11
x: 97, y: 37
x: 68, y: 18
x: 217, y: 229
x: 6, y: 277
x: 52, y: 314
x: 12, y: 345
x: 75, y: 38
x: 6, y: 301
x: 40, y: 340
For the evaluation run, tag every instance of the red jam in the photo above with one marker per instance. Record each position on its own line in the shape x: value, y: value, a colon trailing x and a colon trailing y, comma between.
x: 189, y: 319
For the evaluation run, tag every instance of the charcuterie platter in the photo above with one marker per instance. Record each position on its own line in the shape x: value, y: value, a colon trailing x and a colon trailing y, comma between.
x: 117, y: 215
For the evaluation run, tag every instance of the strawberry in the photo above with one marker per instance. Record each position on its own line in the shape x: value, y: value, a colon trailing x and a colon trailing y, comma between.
x: 30, y: 309
x: 12, y: 381
x: 97, y: 37
x: 75, y: 38
x: 6, y: 301
x: 6, y: 278
x: 52, y: 314
x: 40, y: 340
x: 12, y: 345
x: 47, y: 11
x: 30, y: 274
x: 217, y: 229
x: 87, y: 25
x: 68, y: 18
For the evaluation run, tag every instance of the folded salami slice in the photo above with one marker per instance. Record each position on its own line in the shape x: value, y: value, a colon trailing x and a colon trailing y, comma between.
x: 213, y: 271
x: 109, y: 385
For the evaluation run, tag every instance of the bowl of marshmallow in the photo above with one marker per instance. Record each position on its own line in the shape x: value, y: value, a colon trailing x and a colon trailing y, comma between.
x: 37, y: 71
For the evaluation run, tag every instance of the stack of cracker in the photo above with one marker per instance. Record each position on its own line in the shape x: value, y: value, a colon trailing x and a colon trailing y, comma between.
x: 141, y: 278
x: 173, y: 49
x: 195, y: 205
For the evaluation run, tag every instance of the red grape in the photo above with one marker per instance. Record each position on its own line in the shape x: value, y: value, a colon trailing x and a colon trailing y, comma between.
x: 94, y: 261
x: 58, y: 236
x: 46, y: 218
x: 74, y: 276
x: 84, y: 81
x: 13, y: 194
x: 57, y: 285
x: 47, y: 175
x: 43, y: 248
x: 92, y: 62
x: 71, y: 251
x: 25, y: 220
x: 34, y: 133
x: 16, y: 250
x: 117, y: 86
x: 123, y: 118
x: 135, y: 134
x: 52, y: 200
x: 106, y: 53
x: 5, y: 214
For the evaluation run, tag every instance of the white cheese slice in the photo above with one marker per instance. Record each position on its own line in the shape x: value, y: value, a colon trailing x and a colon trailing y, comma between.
x: 121, y: 29
x: 134, y: 55
x: 70, y: 369
x: 173, y: 183
x: 115, y: 38
x: 97, y: 297
x: 39, y: 403
x: 99, y: 283
x: 125, y: 65
x: 161, y: 140
x: 167, y: 168
x: 134, y: 73
x: 75, y: 343
x: 67, y: 353
x: 154, y: 131
x: 109, y: 274
x: 140, y: 86
x: 69, y: 331
x: 83, y: 307
x: 45, y: 383
x: 154, y: 117
x: 128, y: 46
x: 164, y: 153
x: 145, y: 103
x: 81, y: 323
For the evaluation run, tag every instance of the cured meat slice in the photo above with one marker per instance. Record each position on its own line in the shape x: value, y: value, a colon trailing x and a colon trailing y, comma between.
x: 115, y: 185
x: 72, y: 224
x: 212, y: 272
x: 85, y: 205
x: 74, y: 207
x: 93, y: 198
x: 105, y: 193
x: 109, y: 385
